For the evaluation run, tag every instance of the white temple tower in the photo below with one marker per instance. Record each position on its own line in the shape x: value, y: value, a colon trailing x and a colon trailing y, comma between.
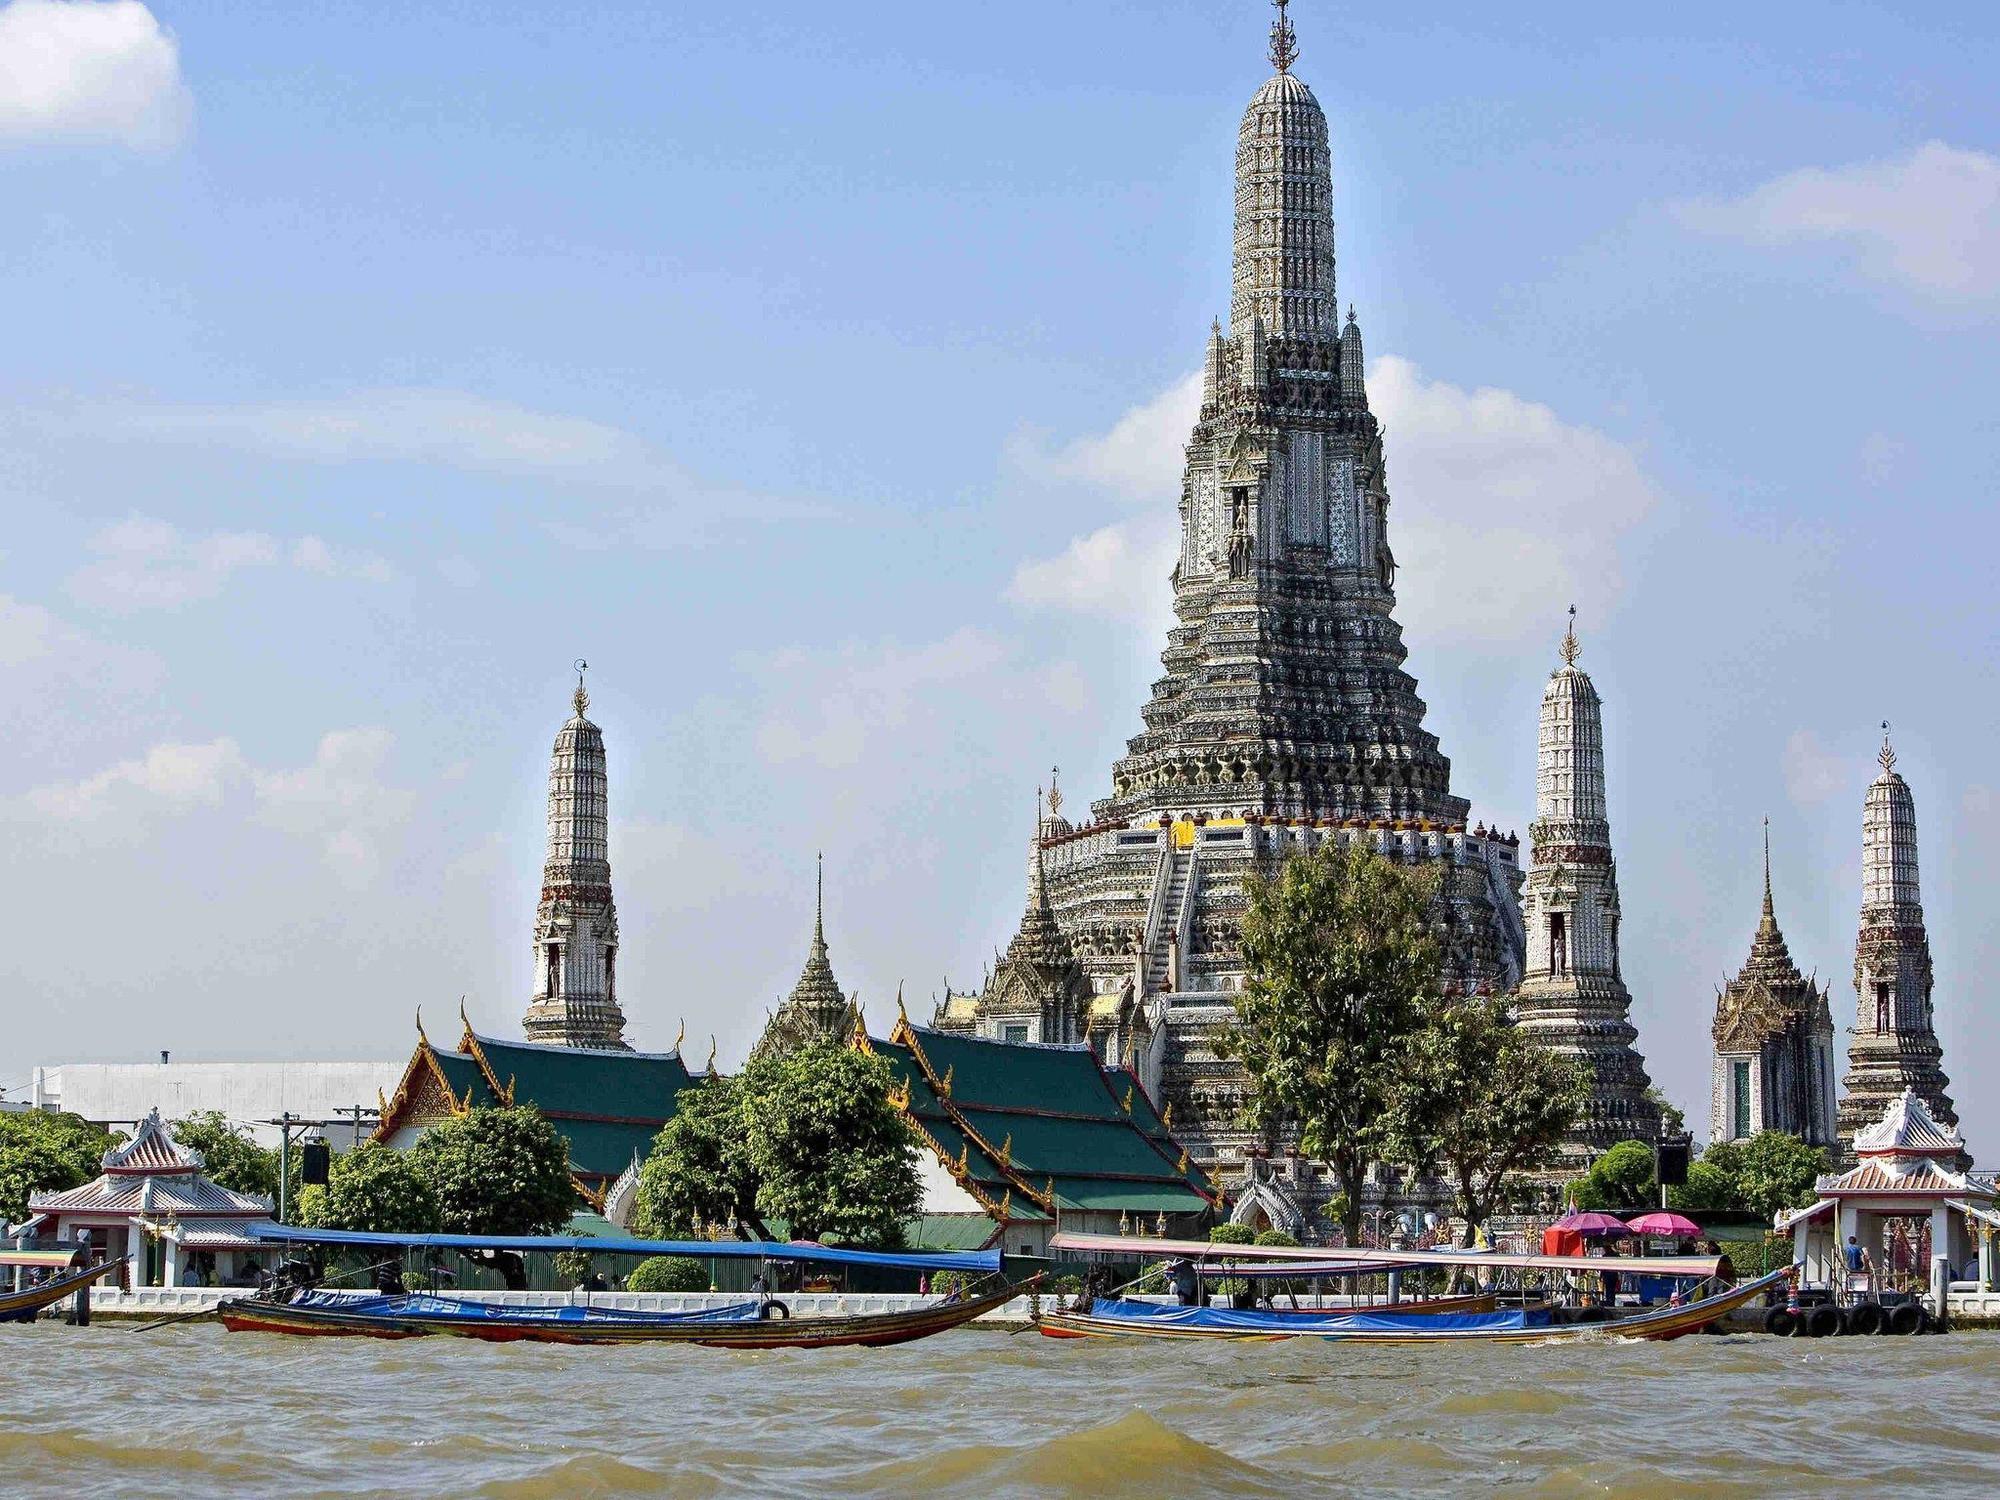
x: 1895, y: 1045
x: 575, y: 1002
x: 1285, y: 718
x: 1572, y: 997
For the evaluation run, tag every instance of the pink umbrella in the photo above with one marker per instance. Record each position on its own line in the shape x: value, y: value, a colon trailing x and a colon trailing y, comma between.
x: 1661, y: 1225
x: 1593, y: 1225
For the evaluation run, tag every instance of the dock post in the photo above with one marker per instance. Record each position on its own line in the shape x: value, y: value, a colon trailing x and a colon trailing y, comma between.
x: 1940, y: 1290
x: 79, y: 1313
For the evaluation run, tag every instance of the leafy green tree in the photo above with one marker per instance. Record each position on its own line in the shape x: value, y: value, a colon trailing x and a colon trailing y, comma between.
x: 1710, y: 1187
x: 373, y: 1188
x: 1277, y: 1238
x: 46, y: 1152
x: 1770, y: 1171
x: 1621, y: 1178
x: 831, y: 1155
x: 497, y: 1171
x: 1232, y: 1234
x: 668, y: 1273
x: 231, y: 1158
x: 1479, y: 1101
x: 1342, y: 966
x: 698, y: 1171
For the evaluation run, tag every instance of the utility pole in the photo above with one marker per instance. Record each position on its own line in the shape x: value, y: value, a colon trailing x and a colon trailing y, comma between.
x: 358, y: 1112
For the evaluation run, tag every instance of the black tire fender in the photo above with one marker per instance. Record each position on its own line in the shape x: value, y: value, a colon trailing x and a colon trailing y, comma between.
x: 1822, y: 1322
x: 1907, y: 1319
x: 1864, y: 1318
x: 1781, y: 1322
x: 773, y: 1308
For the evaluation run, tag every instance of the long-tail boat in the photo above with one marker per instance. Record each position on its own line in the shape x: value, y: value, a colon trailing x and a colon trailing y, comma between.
x: 744, y: 1325
x: 24, y: 1304
x: 754, y: 1323
x: 1402, y: 1323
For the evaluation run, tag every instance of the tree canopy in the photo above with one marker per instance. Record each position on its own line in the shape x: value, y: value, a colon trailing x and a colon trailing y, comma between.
x: 1478, y: 1100
x: 1769, y: 1172
x: 698, y: 1171
x: 831, y: 1155
x: 373, y: 1188
x: 808, y: 1136
x: 230, y: 1157
x: 497, y: 1172
x: 45, y: 1152
x: 1621, y: 1178
x: 1341, y: 967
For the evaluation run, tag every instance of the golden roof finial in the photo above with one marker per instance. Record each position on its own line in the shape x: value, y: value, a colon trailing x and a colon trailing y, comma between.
x: 1570, y: 649
x: 681, y: 1035
x: 1055, y: 792
x: 1887, y: 757
x: 580, y: 698
x: 711, y: 1054
x: 1284, y: 41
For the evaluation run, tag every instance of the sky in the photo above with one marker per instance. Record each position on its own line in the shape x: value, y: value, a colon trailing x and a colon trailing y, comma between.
x: 820, y: 376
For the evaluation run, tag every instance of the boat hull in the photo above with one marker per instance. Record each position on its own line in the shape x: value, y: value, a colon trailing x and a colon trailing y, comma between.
x: 1062, y: 1325
x: 880, y: 1330
x: 31, y: 1300
x: 1401, y: 1327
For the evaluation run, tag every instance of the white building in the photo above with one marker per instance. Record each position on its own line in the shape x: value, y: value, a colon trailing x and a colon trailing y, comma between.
x: 247, y: 1093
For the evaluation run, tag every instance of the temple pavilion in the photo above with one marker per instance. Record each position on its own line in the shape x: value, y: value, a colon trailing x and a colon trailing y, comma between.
x: 1027, y: 1137
x: 153, y: 1209
x: 1907, y: 1173
x: 606, y: 1103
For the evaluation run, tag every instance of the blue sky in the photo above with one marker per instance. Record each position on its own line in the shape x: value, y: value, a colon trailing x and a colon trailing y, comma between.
x: 821, y: 375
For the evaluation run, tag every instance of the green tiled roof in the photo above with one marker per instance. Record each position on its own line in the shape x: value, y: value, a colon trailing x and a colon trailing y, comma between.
x: 608, y: 1105
x: 1041, y: 1118
x: 949, y: 1232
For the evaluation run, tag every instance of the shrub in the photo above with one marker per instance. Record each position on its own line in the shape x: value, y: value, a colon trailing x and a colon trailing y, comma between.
x: 1232, y: 1234
x: 1276, y: 1237
x: 668, y: 1273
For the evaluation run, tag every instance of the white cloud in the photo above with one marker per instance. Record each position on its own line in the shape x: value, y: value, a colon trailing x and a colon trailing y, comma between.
x: 90, y: 70
x: 1812, y: 772
x: 442, y: 428
x: 459, y: 572
x: 831, y: 708
x: 1503, y: 513
x: 342, y: 798
x: 1928, y: 221
x: 1138, y: 459
x: 176, y: 778
x: 143, y: 563
x: 1118, y: 571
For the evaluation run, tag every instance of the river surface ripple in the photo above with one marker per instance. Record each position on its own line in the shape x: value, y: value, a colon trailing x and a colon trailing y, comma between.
x: 106, y: 1411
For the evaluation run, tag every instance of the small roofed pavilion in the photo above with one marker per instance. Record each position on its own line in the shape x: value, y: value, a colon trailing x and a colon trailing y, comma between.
x: 153, y: 1209
x: 1906, y: 1167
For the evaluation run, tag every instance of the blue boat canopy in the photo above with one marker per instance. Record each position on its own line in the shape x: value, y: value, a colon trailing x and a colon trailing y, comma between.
x: 826, y: 1255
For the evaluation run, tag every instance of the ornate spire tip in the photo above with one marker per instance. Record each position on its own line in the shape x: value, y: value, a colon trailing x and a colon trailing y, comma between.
x: 1570, y: 649
x: 580, y: 698
x: 1887, y: 755
x: 1284, y: 40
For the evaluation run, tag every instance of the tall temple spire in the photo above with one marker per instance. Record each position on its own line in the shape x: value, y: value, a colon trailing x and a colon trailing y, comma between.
x: 1286, y: 718
x: 816, y: 1013
x: 1284, y: 40
x: 1895, y: 1045
x: 1572, y: 997
x: 1773, y: 1035
x: 1284, y: 208
x: 575, y: 1002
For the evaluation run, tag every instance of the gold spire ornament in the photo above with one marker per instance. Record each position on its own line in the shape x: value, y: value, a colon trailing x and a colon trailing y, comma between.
x: 1284, y: 40
x: 580, y: 698
x: 1887, y: 756
x: 1570, y: 649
